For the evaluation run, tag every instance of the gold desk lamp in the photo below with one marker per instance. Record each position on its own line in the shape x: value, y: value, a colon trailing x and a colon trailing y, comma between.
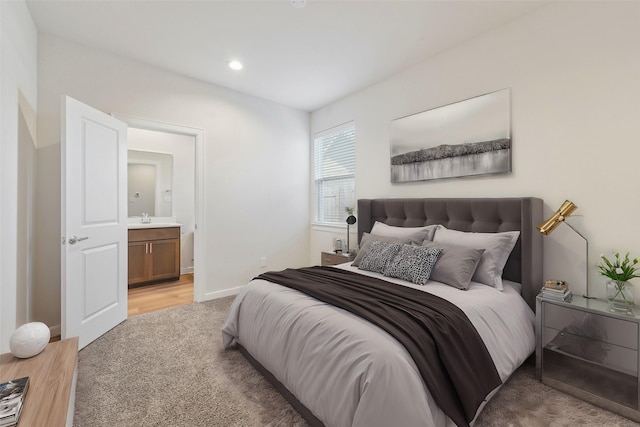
x: 567, y: 208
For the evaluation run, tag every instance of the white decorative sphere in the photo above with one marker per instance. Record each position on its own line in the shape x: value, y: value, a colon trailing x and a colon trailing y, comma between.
x: 29, y: 339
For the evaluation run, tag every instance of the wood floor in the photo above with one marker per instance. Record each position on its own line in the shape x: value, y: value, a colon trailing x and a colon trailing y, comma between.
x: 158, y: 296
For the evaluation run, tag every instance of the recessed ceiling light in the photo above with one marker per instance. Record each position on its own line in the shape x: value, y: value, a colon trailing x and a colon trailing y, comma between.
x: 235, y: 65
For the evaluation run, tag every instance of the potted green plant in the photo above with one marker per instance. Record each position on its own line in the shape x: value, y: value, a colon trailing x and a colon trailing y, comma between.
x: 619, y: 270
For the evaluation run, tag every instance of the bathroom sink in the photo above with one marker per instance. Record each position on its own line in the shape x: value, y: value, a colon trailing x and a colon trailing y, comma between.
x: 154, y: 225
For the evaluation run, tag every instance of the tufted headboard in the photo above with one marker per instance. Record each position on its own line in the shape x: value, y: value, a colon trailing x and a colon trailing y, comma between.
x: 486, y: 215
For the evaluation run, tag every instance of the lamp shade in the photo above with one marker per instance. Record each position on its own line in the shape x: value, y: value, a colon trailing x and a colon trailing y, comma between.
x: 567, y: 208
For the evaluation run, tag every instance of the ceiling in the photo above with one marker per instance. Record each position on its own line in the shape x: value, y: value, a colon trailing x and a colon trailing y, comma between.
x: 304, y: 57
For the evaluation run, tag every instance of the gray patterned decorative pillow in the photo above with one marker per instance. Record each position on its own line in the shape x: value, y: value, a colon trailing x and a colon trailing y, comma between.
x: 379, y: 255
x: 413, y: 263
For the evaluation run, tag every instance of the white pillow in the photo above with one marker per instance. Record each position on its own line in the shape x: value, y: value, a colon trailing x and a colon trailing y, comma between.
x: 497, y: 248
x: 382, y: 229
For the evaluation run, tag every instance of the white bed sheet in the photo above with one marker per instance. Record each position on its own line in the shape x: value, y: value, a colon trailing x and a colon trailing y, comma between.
x: 349, y: 372
x: 503, y: 319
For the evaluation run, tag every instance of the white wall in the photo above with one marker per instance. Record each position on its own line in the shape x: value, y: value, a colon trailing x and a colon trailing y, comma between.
x: 18, y: 89
x: 573, y: 71
x: 256, y: 187
x: 182, y: 148
x: 25, y: 220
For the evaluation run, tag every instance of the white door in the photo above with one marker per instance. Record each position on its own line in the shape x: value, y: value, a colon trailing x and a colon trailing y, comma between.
x: 94, y: 221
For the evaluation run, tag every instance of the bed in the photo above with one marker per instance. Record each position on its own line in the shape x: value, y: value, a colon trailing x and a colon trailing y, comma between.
x: 338, y: 369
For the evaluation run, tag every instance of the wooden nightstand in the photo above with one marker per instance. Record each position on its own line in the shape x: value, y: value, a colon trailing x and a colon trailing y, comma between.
x: 589, y: 352
x: 330, y: 258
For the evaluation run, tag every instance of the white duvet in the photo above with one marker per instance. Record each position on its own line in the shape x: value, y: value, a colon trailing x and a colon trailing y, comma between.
x: 349, y: 372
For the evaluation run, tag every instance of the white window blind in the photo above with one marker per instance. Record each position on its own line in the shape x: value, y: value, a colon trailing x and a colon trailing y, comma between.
x: 334, y: 173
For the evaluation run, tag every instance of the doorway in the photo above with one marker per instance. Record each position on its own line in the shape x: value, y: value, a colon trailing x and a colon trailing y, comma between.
x: 158, y: 296
x: 184, y: 197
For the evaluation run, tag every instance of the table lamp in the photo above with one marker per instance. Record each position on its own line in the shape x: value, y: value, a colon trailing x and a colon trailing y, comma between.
x: 566, y: 209
x: 350, y: 221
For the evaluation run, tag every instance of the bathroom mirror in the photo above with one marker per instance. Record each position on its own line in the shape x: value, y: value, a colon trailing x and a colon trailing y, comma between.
x: 149, y: 183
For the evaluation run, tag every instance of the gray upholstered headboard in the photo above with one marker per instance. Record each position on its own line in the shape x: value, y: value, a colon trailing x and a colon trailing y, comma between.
x: 485, y: 215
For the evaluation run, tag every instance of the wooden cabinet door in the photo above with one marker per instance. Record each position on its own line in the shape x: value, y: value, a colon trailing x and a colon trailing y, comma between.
x: 165, y: 259
x: 138, y: 262
x: 154, y: 255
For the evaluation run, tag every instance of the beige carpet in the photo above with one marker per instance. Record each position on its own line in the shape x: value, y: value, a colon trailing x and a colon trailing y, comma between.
x: 168, y: 368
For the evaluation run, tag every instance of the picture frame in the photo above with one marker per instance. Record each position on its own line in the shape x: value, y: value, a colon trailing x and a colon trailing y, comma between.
x: 466, y: 138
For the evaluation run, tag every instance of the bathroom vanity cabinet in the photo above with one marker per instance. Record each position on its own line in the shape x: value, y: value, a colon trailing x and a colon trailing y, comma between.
x: 154, y: 255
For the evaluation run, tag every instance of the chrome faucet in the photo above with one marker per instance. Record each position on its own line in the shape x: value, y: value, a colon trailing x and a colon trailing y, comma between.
x: 146, y: 219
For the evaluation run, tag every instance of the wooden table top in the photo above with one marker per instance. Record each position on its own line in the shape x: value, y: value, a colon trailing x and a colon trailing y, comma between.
x: 51, y: 377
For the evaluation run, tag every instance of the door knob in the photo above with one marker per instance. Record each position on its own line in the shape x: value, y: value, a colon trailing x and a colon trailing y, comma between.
x: 74, y: 239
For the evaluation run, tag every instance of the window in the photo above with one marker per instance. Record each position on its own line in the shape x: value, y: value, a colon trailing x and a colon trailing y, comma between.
x: 334, y: 171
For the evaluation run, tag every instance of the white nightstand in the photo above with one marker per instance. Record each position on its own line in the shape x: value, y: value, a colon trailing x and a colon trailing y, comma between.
x: 589, y: 352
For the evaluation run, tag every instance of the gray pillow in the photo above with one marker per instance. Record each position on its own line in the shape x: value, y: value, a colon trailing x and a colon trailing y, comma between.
x: 379, y: 255
x: 497, y: 248
x: 456, y: 264
x: 416, y: 238
x: 382, y: 229
x: 413, y: 263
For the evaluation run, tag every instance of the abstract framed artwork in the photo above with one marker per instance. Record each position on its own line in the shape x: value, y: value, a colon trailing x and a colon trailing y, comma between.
x: 466, y: 138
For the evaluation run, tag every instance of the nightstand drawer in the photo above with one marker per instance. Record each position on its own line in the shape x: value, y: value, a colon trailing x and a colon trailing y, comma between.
x: 614, y: 357
x: 329, y: 258
x: 597, y: 327
x: 594, y: 383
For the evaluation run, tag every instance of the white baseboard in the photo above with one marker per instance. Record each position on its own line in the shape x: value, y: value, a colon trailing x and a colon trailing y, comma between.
x: 223, y: 293
x: 186, y: 270
x: 55, y: 330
